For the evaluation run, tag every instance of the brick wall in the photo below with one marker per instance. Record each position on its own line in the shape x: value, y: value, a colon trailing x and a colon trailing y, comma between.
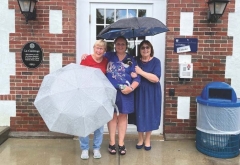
x: 26, y: 82
x: 209, y: 61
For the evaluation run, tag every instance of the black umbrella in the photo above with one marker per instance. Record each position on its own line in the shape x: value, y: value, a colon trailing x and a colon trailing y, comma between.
x: 133, y: 27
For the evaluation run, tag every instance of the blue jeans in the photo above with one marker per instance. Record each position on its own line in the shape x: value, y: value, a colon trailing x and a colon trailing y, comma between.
x: 97, y: 140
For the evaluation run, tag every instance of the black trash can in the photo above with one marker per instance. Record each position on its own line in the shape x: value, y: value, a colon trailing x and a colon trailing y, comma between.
x: 218, y: 121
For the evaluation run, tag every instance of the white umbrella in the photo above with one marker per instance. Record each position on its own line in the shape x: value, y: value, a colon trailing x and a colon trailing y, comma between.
x: 76, y: 100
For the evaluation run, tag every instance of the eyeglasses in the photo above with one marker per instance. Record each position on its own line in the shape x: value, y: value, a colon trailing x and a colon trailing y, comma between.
x: 99, y: 48
x: 145, y: 47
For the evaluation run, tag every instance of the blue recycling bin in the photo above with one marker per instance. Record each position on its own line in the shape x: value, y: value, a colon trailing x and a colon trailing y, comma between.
x: 218, y: 121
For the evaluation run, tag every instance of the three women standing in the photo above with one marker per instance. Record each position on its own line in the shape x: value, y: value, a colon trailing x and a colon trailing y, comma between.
x: 147, y: 96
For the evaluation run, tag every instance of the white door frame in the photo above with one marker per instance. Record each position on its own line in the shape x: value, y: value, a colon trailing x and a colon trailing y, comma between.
x: 83, y: 38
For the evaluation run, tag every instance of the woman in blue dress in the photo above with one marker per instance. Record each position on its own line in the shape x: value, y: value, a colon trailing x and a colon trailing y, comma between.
x: 148, y: 94
x: 119, y: 69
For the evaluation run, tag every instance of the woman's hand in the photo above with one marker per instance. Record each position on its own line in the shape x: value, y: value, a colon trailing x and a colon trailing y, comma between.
x: 83, y: 57
x: 138, y: 70
x: 127, y: 90
x: 133, y: 74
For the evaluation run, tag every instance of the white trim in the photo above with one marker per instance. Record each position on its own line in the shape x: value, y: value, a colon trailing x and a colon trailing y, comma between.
x: 183, y: 109
x: 7, y: 59
x: 55, y: 21
x: 232, y: 62
x: 7, y: 110
x: 186, y: 23
x: 55, y: 62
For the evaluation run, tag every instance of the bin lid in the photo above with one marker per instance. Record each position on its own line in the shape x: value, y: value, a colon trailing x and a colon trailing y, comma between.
x: 218, y: 94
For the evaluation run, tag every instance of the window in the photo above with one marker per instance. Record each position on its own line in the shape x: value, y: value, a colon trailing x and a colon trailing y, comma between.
x: 106, y: 17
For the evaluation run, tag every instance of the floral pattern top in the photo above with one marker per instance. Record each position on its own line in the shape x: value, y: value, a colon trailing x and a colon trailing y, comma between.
x: 119, y: 72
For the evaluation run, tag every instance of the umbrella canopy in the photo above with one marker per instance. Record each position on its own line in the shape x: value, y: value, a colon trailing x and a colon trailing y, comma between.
x: 133, y: 27
x: 76, y: 100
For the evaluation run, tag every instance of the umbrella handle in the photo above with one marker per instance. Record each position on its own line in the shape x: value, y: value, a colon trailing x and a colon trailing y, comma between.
x: 115, y: 106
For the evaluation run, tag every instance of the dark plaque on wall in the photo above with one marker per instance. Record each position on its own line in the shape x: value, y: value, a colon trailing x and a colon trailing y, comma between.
x: 32, y: 55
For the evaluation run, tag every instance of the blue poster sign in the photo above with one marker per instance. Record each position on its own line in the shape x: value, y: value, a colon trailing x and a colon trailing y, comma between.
x: 185, y: 45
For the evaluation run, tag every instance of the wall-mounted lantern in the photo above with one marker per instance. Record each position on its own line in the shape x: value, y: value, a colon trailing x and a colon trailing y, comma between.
x: 28, y: 9
x: 216, y: 9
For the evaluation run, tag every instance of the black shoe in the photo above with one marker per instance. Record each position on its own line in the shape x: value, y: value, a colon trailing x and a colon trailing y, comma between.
x: 139, y: 146
x: 147, y: 148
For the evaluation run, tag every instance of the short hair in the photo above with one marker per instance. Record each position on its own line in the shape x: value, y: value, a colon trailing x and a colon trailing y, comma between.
x: 146, y: 42
x: 100, y: 43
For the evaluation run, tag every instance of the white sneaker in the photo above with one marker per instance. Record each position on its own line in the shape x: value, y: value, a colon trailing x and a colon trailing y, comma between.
x: 96, y: 154
x: 84, y: 154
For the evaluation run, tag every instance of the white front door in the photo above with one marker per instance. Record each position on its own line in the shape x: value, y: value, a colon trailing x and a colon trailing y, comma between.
x: 93, y: 16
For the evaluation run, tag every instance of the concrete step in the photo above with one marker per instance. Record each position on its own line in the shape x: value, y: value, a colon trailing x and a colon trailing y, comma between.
x: 128, y: 137
x: 4, y: 131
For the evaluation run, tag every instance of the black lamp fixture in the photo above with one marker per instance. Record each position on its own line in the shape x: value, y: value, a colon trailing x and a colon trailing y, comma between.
x: 216, y: 9
x: 28, y: 9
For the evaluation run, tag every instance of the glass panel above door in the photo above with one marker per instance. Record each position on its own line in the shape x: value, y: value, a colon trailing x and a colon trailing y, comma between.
x: 132, y: 13
x: 100, y: 16
x: 142, y: 13
x: 121, y: 13
x: 110, y: 15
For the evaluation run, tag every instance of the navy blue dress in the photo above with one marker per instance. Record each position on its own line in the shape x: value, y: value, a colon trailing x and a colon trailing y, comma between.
x: 148, y: 98
x: 119, y: 74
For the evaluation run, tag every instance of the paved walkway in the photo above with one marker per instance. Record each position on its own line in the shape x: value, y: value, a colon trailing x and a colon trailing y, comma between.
x: 17, y: 151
